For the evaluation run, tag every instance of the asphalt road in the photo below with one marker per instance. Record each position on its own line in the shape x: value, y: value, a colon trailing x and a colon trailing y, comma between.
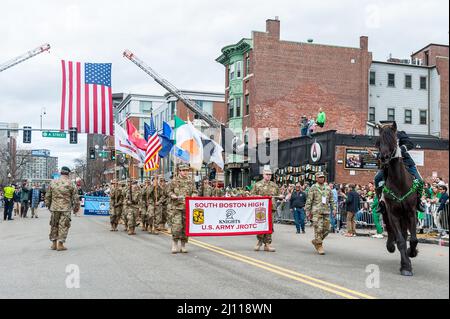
x: 115, y: 265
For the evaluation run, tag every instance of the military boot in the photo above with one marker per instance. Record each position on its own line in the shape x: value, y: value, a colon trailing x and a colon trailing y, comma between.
x: 316, y: 246
x: 155, y: 230
x: 60, y: 246
x: 258, y: 245
x: 131, y: 231
x: 267, y: 247
x: 174, y: 246
x: 112, y: 227
x: 53, y: 245
x: 183, y: 247
x: 320, y: 249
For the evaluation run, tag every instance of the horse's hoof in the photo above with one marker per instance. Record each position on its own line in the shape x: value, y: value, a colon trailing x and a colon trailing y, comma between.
x: 406, y: 273
x: 411, y: 253
x: 390, y: 248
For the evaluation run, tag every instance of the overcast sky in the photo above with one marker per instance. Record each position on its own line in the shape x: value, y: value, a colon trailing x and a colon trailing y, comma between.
x: 180, y: 39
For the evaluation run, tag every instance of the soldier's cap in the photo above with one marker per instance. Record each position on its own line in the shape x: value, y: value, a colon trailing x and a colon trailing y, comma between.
x: 320, y: 174
x: 267, y: 170
x: 183, y: 167
x: 65, y: 170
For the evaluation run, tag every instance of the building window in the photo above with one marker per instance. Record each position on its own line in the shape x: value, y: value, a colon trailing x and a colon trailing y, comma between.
x: 423, y: 117
x: 423, y: 82
x: 391, y: 79
x: 231, y: 108
x: 145, y: 107
x: 232, y: 72
x: 238, y: 106
x: 372, y: 77
x: 248, y: 65
x: 239, y: 69
x: 408, y: 81
x: 372, y: 114
x: 408, y: 116
x: 247, y: 104
x: 391, y: 115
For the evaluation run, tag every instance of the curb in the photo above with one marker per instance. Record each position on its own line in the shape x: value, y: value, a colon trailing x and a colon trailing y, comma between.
x: 432, y: 241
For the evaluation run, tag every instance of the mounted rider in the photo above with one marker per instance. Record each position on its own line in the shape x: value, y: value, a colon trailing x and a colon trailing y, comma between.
x: 405, y: 144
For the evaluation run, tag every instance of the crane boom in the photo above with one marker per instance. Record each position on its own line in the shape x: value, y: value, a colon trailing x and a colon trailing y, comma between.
x: 25, y: 56
x: 208, y: 118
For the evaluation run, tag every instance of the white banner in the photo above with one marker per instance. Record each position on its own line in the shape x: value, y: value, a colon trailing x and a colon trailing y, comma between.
x: 418, y: 157
x: 219, y: 216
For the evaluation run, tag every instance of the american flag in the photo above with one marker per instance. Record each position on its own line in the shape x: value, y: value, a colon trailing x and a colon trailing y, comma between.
x: 87, y: 97
x: 153, y: 147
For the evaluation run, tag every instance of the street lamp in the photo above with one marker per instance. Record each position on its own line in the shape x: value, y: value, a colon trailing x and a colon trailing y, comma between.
x: 43, y: 112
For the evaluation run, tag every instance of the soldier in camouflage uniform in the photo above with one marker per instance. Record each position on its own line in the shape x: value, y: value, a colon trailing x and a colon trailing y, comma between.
x: 161, y: 205
x: 61, y: 198
x: 144, y: 206
x: 132, y: 195
x: 113, y: 212
x: 206, y: 190
x: 266, y: 187
x: 123, y: 190
x: 181, y: 187
x: 217, y: 191
x: 318, y: 203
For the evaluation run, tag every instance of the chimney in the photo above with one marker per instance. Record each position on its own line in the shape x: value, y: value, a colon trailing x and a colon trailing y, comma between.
x: 273, y: 28
x: 364, y: 43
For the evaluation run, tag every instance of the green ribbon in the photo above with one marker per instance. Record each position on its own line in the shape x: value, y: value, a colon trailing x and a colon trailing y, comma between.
x: 417, y: 185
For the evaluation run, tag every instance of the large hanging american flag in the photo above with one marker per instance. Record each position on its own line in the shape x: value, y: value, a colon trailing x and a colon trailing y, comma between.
x: 87, y: 97
x: 153, y: 147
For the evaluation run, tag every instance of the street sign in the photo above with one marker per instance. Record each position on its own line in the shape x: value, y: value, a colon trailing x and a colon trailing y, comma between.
x: 54, y: 134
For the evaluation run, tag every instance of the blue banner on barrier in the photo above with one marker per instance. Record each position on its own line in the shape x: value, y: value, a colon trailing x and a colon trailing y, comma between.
x: 98, y: 206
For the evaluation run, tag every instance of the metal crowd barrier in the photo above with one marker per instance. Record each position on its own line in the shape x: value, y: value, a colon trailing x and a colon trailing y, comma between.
x: 432, y: 221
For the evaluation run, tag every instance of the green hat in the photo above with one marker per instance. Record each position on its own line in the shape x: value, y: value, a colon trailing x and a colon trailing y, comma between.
x: 65, y: 170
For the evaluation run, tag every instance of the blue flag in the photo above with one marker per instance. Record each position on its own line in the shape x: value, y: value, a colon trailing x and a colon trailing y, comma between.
x: 166, y: 140
x: 181, y: 154
x: 147, y: 130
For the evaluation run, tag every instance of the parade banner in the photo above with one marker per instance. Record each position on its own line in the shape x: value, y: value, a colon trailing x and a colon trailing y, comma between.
x: 98, y: 206
x: 218, y: 216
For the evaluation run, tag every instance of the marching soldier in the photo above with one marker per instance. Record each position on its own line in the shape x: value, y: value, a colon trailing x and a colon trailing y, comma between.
x: 206, y: 190
x: 217, y: 191
x: 132, y: 205
x: 113, y: 216
x: 61, y: 198
x: 123, y: 191
x: 153, y: 197
x: 161, y: 205
x: 181, y: 187
x: 266, y: 187
x: 318, y: 204
x: 144, y: 198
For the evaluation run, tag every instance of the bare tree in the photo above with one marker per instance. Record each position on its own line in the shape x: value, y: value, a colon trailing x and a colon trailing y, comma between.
x: 13, y: 163
x: 80, y: 170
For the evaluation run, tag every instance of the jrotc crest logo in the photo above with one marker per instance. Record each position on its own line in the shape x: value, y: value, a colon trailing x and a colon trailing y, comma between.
x: 260, y: 215
x: 198, y: 216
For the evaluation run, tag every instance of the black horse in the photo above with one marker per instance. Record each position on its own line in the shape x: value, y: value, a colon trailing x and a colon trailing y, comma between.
x: 399, y: 197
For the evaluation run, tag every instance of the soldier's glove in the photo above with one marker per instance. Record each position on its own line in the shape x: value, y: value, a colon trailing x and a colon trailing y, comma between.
x: 128, y: 202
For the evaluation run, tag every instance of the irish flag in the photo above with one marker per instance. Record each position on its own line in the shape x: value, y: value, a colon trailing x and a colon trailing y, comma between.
x: 188, y: 139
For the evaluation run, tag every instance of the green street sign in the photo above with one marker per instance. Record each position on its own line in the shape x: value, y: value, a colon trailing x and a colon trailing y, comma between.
x: 54, y: 134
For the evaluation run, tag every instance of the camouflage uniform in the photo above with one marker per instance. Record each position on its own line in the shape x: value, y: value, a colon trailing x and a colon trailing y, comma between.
x: 169, y: 208
x: 184, y: 187
x: 161, y: 205
x: 206, y: 191
x: 61, y: 198
x: 123, y: 190
x: 132, y: 206
x: 217, y: 192
x: 118, y: 204
x: 112, y: 211
x: 318, y: 204
x: 263, y: 188
x: 146, y: 204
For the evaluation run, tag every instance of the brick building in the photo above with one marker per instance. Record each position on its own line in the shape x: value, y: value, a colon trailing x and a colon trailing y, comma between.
x: 271, y: 83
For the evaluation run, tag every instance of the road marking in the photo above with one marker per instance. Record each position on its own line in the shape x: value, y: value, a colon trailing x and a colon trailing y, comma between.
x: 317, y: 283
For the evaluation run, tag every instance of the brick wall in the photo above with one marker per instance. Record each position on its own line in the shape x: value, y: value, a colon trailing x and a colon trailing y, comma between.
x: 433, y: 52
x: 292, y: 79
x: 442, y: 68
x: 434, y: 161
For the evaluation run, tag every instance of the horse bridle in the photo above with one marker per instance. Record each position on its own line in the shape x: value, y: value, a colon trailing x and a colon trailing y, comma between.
x: 385, y: 163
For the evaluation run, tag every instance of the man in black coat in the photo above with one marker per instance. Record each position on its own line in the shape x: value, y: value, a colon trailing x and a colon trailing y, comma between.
x: 297, y: 205
x: 353, y: 204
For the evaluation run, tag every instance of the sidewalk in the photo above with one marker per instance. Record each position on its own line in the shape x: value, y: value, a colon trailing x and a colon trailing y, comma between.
x: 431, y: 238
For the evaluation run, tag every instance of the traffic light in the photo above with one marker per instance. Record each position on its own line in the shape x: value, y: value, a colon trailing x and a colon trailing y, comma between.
x: 27, y: 134
x: 92, y: 153
x: 73, y: 135
x: 113, y: 155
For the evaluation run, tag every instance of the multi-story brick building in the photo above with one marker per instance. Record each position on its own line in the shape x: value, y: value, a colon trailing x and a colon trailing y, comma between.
x: 271, y: 83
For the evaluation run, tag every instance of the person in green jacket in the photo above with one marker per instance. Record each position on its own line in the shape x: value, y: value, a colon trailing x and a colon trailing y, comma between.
x: 321, y: 118
x: 376, y: 219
